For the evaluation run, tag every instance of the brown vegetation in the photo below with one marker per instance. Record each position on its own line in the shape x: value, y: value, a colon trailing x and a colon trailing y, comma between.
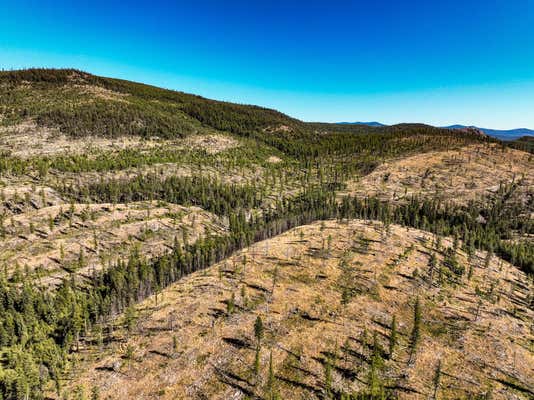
x: 469, y: 173
x: 477, y: 328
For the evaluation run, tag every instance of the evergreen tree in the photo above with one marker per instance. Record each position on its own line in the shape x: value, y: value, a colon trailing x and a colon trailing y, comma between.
x: 230, y: 304
x: 95, y: 393
x: 436, y: 381
x: 327, y: 378
x: 415, y: 336
x: 393, y: 337
x: 258, y: 330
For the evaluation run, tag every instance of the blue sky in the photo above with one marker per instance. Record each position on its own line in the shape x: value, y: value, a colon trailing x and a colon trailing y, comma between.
x: 439, y: 62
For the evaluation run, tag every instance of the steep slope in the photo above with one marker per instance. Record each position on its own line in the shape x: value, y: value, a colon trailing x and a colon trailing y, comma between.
x: 327, y: 294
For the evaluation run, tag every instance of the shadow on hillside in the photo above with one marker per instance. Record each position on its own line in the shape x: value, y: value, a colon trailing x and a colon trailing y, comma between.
x: 237, y: 343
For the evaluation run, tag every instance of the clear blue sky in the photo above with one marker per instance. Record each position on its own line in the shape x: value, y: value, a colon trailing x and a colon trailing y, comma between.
x: 439, y: 62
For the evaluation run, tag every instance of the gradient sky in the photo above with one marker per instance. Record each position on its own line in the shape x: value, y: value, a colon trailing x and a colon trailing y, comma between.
x: 439, y: 62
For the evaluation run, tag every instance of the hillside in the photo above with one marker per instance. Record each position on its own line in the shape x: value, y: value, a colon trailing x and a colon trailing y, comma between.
x: 115, y: 193
x: 472, y: 173
x: 80, y: 104
x: 327, y: 294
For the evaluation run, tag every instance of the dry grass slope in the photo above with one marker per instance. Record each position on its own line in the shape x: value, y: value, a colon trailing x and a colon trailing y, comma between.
x: 469, y: 173
x: 54, y: 241
x: 336, y: 285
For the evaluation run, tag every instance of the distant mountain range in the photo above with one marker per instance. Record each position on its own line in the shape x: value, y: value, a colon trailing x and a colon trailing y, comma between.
x: 510, y: 134
x: 374, y: 123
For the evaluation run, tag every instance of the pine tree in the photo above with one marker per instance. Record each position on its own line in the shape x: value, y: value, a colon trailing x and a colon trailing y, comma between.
x: 415, y: 336
x: 258, y: 330
x: 230, y: 304
x: 374, y: 382
x: 487, y: 260
x: 95, y: 393
x: 436, y: 381
x: 257, y: 360
x: 275, y: 279
x: 271, y: 380
x: 244, y: 299
x: 130, y: 318
x: 258, y: 334
x: 393, y: 337
x: 470, y: 271
x: 327, y: 378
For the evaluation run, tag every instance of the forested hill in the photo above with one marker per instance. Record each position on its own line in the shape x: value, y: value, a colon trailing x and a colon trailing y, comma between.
x: 81, y: 104
x: 113, y: 191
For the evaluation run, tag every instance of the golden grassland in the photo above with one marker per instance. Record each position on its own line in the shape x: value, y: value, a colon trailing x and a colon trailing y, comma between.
x: 469, y: 173
x: 54, y: 241
x: 478, y: 328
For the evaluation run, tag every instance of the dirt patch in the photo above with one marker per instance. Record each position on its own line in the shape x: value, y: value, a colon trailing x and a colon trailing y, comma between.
x: 274, y: 160
x: 100, y: 92
x: 212, y: 144
x: 279, y: 128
